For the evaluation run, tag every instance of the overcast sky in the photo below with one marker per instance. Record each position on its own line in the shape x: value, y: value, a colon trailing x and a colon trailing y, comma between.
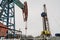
x: 35, y: 8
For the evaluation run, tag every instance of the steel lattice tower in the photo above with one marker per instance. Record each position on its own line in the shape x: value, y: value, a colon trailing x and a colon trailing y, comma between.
x: 7, y: 13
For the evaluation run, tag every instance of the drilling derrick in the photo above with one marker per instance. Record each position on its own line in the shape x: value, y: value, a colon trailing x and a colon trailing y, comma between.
x: 46, y: 30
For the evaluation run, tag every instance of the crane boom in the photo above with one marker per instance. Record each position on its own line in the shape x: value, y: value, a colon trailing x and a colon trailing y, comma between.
x: 19, y: 4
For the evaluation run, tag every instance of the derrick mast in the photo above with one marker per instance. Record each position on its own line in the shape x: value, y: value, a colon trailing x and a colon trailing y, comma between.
x: 46, y: 30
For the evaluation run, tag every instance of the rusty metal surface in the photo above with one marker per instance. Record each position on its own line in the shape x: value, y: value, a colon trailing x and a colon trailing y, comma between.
x: 3, y: 30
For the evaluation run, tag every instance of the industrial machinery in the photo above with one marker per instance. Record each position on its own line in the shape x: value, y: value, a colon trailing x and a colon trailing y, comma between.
x: 7, y: 13
x: 46, y: 30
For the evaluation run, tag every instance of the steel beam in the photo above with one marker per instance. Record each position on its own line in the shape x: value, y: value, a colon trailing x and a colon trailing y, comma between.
x: 19, y: 4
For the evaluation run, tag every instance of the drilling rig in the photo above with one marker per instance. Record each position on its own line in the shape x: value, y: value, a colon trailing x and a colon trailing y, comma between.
x: 7, y: 13
x: 46, y: 30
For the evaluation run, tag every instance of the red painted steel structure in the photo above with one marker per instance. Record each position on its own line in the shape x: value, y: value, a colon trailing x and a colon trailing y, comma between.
x: 25, y: 15
x: 3, y: 30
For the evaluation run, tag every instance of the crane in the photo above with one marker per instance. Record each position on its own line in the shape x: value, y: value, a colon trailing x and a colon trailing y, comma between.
x: 46, y: 30
x: 7, y: 12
